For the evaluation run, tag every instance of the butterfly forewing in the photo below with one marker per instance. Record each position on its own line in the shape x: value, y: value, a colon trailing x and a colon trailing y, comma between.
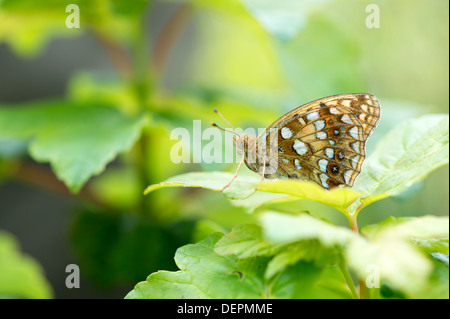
x: 324, y: 141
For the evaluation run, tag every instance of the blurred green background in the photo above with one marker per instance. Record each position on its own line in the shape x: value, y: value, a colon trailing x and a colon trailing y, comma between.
x: 175, y: 61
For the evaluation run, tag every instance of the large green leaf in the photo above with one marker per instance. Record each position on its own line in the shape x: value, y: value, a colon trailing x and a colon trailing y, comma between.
x: 77, y: 140
x: 243, y: 192
x: 390, y: 251
x: 20, y: 275
x: 339, y: 198
x: 285, y: 229
x: 205, y: 274
x: 406, y: 155
x: 246, y: 240
x: 240, y: 188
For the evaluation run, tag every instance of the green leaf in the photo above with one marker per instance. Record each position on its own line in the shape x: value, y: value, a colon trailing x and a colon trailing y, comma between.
x: 435, y: 247
x: 338, y: 198
x: 390, y: 250
x: 371, y: 231
x: 400, y: 263
x: 244, y: 241
x: 309, y: 250
x: 102, y: 87
x: 205, y: 274
x: 406, y: 155
x: 240, y: 188
x: 77, y: 140
x: 424, y: 227
x: 306, y: 281
x: 20, y: 275
x: 284, y: 229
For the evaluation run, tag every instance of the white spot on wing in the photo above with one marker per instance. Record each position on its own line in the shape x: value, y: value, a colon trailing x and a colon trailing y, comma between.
x: 285, y: 161
x: 312, y: 116
x: 324, y: 178
x: 355, y: 146
x: 297, y: 163
x: 332, y: 142
x: 319, y: 125
x: 300, y: 147
x: 346, y: 119
x: 354, y: 132
x: 346, y: 103
x: 334, y: 110
x: 321, y: 135
x: 330, y: 153
x: 347, y: 176
x: 354, y: 161
x: 286, y: 133
x: 323, y: 163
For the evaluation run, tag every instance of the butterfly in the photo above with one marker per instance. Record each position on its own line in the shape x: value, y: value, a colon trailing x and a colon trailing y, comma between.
x: 322, y: 141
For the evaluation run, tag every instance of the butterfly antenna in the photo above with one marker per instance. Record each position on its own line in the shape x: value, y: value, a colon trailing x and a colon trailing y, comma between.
x: 221, y: 128
x: 223, y: 118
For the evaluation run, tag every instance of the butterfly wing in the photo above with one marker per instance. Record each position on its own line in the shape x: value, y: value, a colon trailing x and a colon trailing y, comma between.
x: 324, y: 140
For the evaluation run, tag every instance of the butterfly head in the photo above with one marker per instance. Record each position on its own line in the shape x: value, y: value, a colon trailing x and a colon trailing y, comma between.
x: 246, y: 145
x: 240, y: 143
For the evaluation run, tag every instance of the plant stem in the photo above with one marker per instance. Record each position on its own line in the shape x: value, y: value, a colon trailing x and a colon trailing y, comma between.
x: 168, y: 37
x: 354, y: 226
x: 348, y: 278
x: 362, y: 290
x: 353, y: 223
x: 142, y: 84
x: 42, y: 177
x: 116, y: 54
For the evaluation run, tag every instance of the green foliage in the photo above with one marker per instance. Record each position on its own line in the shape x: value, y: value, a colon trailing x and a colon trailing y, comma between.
x: 390, y: 246
x: 414, y: 148
x: 204, y: 274
x: 109, y: 137
x: 77, y: 140
x: 20, y: 275
x: 108, y: 245
x: 301, y: 257
x: 22, y: 22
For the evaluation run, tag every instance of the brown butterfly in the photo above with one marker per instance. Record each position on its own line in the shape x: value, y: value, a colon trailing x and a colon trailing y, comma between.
x: 322, y: 141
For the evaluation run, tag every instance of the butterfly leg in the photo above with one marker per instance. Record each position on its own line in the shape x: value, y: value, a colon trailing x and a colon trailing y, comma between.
x: 235, y: 175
